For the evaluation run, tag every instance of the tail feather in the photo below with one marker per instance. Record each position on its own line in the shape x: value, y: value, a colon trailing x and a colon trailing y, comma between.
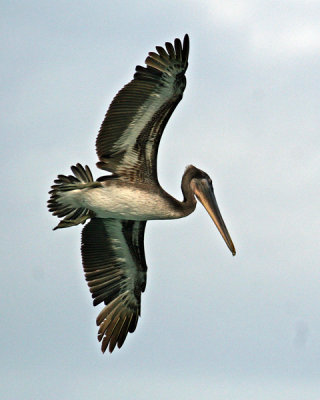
x: 81, y: 179
x: 83, y: 174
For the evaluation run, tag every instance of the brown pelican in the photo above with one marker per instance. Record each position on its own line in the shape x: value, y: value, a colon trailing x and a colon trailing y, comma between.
x: 119, y: 205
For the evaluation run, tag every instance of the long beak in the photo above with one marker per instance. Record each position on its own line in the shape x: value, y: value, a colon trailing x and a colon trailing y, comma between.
x: 205, y: 195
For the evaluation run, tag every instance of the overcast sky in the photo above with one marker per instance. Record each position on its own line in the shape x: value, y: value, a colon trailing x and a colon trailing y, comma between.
x: 213, y: 326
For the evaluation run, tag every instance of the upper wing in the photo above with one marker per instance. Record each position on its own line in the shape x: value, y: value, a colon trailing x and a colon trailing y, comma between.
x: 128, y: 141
x: 115, y: 269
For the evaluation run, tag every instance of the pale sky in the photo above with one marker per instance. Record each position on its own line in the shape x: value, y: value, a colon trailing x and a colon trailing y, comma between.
x: 213, y: 326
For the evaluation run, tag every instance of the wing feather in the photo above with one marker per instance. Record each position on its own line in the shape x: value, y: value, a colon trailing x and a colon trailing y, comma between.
x: 128, y: 140
x: 170, y: 49
x: 115, y: 269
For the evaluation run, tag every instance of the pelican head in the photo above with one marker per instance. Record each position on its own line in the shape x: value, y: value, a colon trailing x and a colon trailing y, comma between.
x: 200, y: 185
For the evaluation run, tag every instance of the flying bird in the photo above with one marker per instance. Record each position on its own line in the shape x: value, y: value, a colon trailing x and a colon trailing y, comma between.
x: 119, y: 204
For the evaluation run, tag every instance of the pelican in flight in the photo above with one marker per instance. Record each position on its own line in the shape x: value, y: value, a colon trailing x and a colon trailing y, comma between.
x: 119, y: 204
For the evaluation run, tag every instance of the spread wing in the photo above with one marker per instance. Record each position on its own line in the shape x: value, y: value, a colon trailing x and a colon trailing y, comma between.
x: 115, y: 269
x: 127, y: 144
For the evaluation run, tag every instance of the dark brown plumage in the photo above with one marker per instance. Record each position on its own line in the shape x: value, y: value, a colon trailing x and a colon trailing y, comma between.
x: 119, y: 205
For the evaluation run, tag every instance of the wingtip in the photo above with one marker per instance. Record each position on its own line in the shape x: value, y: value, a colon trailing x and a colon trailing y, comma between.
x: 186, y: 47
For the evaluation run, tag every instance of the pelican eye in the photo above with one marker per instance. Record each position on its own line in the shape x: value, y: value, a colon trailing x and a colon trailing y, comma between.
x: 206, y: 181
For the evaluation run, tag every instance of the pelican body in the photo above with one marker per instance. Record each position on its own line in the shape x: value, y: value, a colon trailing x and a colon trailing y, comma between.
x: 119, y: 204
